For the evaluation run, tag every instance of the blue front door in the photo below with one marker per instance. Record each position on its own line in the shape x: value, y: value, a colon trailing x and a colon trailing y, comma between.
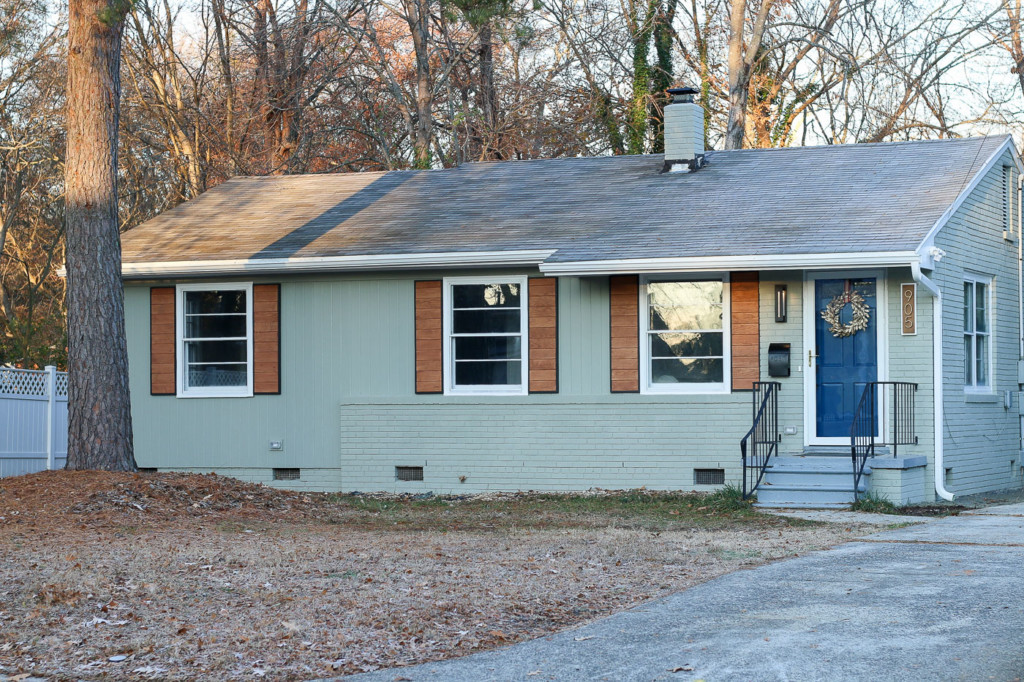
x: 845, y: 363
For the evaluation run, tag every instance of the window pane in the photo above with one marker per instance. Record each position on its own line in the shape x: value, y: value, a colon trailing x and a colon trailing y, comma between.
x: 686, y: 371
x: 968, y: 360
x: 214, y: 302
x: 485, y: 321
x: 686, y: 317
x: 214, y: 326
x: 685, y: 305
x: 699, y: 294
x: 488, y: 348
x: 968, y: 306
x: 686, y: 345
x: 485, y: 295
x: 215, y: 351
x: 980, y: 314
x: 981, y: 364
x: 488, y: 373
x: 217, y: 375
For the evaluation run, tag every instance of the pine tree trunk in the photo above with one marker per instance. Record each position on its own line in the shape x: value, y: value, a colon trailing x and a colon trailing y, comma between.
x: 99, y: 410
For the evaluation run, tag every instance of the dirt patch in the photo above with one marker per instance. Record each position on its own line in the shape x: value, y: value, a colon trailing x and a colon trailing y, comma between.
x: 930, y: 510
x: 114, y: 576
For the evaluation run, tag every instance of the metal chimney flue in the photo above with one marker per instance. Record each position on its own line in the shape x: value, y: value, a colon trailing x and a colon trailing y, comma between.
x: 684, y: 131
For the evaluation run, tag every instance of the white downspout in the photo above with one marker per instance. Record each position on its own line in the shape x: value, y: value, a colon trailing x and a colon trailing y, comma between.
x: 940, y: 469
x: 1020, y: 295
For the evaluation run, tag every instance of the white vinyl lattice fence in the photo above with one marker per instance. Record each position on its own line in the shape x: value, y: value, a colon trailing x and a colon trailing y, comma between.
x: 33, y: 420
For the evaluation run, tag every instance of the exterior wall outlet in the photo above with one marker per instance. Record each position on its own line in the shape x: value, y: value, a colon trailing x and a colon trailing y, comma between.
x: 789, y: 430
x: 277, y: 445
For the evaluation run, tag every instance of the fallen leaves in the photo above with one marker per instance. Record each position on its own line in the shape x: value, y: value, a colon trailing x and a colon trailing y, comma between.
x: 216, y: 579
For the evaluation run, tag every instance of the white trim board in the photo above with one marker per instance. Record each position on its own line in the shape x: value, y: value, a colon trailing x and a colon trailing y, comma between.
x: 796, y: 261
x: 409, y: 261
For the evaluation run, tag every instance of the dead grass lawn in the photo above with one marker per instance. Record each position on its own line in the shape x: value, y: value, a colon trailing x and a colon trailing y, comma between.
x: 167, y: 576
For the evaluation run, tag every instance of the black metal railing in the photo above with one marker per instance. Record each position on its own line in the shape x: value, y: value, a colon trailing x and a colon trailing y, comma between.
x: 762, y: 440
x: 897, y: 398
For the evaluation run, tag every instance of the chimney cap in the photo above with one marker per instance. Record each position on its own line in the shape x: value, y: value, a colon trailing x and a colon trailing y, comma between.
x: 681, y: 95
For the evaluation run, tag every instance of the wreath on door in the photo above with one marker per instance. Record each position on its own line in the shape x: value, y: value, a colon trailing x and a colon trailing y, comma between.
x: 832, y: 312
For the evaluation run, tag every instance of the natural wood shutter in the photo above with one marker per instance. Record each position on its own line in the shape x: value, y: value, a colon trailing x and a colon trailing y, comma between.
x: 429, y: 344
x: 624, y: 294
x: 746, y: 330
x: 162, y: 343
x: 543, y: 337
x: 266, y: 338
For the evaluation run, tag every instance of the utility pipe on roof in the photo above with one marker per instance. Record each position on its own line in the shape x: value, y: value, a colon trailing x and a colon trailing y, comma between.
x: 940, y: 469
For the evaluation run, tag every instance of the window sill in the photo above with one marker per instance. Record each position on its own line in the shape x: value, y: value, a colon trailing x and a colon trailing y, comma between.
x: 690, y: 389
x: 484, y: 392
x: 247, y: 394
x: 980, y: 397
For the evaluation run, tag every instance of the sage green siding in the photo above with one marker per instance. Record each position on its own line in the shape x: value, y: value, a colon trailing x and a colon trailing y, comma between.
x: 348, y: 404
x: 982, y: 438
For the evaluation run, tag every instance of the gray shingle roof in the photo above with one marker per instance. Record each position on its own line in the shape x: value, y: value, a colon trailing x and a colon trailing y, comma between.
x: 835, y: 199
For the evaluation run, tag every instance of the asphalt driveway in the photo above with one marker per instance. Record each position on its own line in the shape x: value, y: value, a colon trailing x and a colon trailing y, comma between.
x: 942, y: 600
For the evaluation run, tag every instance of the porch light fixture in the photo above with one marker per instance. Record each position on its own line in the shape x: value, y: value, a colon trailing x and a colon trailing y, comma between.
x: 781, y: 293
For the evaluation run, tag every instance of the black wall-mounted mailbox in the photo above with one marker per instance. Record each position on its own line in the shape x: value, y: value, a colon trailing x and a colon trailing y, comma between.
x: 778, y: 359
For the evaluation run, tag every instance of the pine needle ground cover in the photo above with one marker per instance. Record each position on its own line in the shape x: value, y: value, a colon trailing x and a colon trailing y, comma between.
x: 173, y: 576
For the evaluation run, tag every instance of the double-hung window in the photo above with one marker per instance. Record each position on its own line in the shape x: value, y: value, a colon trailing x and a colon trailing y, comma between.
x: 214, y: 323
x: 977, y: 333
x: 684, y: 336
x: 485, y: 329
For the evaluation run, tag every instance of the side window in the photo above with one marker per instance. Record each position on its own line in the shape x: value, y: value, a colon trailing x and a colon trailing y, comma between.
x: 215, y: 334
x: 977, y: 333
x: 485, y: 330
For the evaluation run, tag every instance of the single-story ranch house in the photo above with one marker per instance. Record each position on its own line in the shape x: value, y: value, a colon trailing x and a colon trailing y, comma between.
x: 610, y: 322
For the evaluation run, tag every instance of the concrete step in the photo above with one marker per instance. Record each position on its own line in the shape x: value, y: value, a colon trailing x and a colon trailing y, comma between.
x: 838, y: 451
x: 809, y: 482
x: 800, y: 477
x: 788, y: 495
x: 799, y: 463
x: 804, y: 505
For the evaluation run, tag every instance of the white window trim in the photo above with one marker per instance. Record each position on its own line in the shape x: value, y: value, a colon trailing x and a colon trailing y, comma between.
x: 449, y: 375
x: 973, y: 387
x: 179, y: 332
x: 645, y: 350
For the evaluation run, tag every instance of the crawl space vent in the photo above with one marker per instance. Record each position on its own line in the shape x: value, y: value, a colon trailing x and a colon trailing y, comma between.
x: 409, y: 473
x: 147, y: 470
x: 708, y: 476
x: 287, y: 474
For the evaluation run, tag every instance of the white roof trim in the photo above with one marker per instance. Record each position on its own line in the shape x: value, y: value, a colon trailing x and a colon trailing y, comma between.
x: 992, y: 160
x: 260, y: 266
x: 788, y: 261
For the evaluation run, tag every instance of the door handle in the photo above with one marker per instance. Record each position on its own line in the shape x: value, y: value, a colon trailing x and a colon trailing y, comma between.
x: 810, y: 357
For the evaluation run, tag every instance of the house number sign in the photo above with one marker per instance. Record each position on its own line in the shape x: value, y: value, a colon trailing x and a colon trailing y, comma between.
x: 908, y: 309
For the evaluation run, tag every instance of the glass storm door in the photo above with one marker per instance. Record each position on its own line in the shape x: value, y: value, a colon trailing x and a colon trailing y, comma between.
x: 845, y: 364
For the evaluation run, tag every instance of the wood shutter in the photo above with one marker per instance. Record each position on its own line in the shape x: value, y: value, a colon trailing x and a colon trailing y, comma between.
x: 266, y: 338
x: 624, y: 296
x: 429, y: 342
x: 162, y: 342
x: 542, y: 310
x: 746, y: 330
